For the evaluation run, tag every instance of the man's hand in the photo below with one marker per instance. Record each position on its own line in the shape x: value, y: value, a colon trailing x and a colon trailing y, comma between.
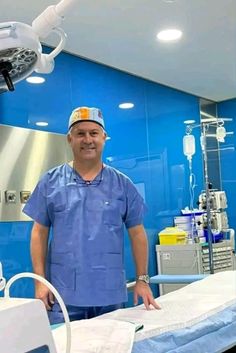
x: 142, y: 289
x: 43, y: 292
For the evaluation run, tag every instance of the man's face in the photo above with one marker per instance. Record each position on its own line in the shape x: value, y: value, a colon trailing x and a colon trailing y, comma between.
x: 87, y: 140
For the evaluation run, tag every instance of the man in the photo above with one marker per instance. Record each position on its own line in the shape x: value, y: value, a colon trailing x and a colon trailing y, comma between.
x: 86, y: 203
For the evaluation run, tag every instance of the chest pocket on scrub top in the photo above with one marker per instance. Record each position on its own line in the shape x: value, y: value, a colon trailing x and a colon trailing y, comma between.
x: 103, y: 209
x: 113, y: 212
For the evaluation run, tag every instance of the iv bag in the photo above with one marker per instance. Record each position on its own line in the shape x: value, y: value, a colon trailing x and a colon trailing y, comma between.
x: 189, y: 146
x: 220, y: 133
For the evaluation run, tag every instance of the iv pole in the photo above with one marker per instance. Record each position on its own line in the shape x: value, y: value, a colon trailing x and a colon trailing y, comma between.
x: 207, y: 190
x: 189, y: 151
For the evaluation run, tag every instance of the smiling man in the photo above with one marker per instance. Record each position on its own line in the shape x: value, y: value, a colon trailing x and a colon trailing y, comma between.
x: 87, y: 203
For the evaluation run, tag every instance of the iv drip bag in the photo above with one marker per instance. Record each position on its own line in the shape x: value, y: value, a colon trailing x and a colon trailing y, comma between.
x: 189, y: 146
x: 220, y: 133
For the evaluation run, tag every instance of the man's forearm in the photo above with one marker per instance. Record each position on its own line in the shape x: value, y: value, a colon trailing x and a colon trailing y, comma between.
x: 38, y: 246
x: 140, y: 249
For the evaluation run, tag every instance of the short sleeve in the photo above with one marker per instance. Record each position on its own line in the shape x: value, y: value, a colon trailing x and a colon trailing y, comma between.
x: 36, y: 207
x: 136, y: 207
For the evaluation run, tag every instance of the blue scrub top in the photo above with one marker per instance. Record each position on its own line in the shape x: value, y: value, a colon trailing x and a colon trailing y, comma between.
x: 86, y: 252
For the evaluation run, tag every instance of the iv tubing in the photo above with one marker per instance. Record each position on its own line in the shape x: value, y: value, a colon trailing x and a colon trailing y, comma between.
x: 54, y: 291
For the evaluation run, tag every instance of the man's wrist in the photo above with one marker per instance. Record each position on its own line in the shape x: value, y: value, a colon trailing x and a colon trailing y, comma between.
x: 144, y: 278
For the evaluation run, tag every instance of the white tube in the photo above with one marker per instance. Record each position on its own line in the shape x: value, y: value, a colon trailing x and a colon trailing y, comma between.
x: 54, y: 291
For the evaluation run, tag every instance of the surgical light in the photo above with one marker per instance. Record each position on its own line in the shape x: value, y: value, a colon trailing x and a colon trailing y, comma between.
x: 20, y: 47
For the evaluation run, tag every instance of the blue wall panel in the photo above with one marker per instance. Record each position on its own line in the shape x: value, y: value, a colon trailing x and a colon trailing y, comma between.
x: 145, y: 144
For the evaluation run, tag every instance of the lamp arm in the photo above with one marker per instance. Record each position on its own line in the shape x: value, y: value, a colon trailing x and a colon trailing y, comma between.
x: 51, y: 17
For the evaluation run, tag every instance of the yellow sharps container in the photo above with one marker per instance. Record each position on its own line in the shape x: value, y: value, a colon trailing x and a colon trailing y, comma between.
x: 172, y: 236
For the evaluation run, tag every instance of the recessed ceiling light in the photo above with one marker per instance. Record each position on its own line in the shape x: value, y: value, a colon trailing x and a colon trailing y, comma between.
x: 35, y: 79
x: 169, y: 35
x: 187, y: 122
x: 41, y: 123
x: 126, y: 105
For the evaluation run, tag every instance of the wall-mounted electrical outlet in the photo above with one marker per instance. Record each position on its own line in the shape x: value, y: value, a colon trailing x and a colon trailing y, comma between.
x: 24, y: 196
x: 10, y: 196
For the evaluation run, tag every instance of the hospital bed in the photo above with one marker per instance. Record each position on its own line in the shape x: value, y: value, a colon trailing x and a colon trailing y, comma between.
x: 198, y: 318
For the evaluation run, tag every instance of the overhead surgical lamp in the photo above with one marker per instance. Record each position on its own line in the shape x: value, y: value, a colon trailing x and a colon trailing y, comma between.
x: 20, y: 47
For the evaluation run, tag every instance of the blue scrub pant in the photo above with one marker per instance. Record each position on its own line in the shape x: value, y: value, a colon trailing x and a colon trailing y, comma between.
x: 79, y: 312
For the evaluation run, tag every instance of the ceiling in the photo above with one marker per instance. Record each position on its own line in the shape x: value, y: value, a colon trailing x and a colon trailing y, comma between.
x: 122, y: 34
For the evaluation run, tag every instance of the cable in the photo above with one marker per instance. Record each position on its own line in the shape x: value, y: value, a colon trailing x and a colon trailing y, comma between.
x: 54, y: 291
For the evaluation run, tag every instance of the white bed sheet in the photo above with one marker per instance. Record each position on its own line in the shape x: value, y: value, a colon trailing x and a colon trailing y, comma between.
x: 189, y: 320
x: 184, y: 307
x: 91, y: 336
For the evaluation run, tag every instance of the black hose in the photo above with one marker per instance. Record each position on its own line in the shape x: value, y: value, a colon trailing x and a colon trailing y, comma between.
x: 5, y: 68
